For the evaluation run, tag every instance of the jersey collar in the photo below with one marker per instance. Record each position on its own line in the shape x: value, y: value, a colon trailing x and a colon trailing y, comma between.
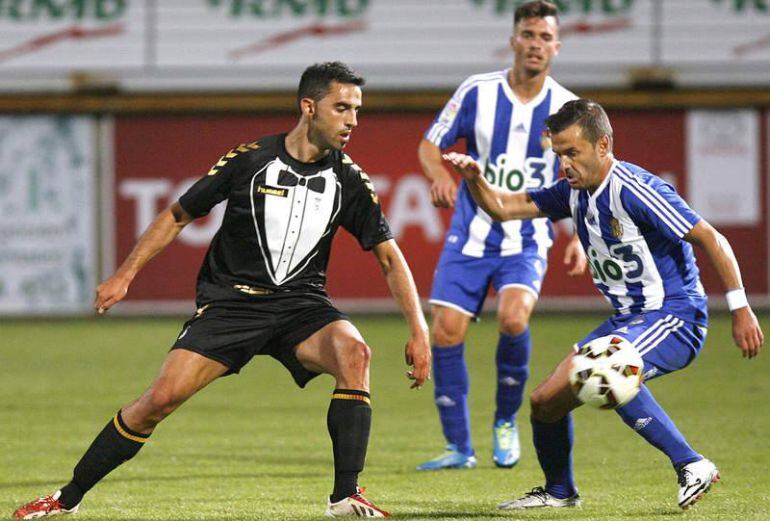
x: 605, y: 181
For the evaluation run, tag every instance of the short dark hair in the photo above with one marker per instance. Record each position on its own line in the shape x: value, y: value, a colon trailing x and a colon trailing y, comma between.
x: 316, y: 79
x: 587, y: 114
x: 535, y: 9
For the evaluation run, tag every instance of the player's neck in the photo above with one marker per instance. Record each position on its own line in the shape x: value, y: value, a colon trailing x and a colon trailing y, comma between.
x: 604, y: 171
x: 525, y: 86
x: 300, y: 147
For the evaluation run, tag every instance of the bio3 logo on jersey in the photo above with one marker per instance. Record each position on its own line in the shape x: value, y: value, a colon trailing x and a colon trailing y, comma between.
x: 622, y: 264
x: 503, y: 174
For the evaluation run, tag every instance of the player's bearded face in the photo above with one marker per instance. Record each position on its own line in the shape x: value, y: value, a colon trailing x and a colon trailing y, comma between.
x: 535, y: 42
x: 580, y: 160
x: 335, y: 116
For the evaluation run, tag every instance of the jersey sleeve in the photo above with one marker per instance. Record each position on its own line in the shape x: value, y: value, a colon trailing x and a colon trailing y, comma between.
x: 362, y: 214
x: 553, y: 200
x: 213, y: 188
x: 659, y: 206
x: 456, y: 119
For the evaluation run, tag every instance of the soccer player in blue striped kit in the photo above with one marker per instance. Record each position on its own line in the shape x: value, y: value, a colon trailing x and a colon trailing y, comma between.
x: 638, y: 234
x: 501, y: 117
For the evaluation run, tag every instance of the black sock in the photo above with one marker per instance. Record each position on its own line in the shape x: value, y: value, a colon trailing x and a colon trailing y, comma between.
x: 349, y: 421
x: 114, y: 445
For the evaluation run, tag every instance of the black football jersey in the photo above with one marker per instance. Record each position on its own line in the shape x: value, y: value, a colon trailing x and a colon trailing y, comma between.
x: 280, y: 220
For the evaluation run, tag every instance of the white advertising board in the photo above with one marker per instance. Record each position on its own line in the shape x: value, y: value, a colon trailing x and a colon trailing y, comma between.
x: 47, y: 258
x: 264, y: 44
x: 723, y: 165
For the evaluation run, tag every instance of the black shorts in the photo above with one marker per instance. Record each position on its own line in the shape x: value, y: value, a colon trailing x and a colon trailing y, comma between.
x: 232, y: 332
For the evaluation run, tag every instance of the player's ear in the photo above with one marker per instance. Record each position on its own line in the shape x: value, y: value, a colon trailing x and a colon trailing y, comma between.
x: 512, y: 39
x: 307, y: 106
x: 605, y: 145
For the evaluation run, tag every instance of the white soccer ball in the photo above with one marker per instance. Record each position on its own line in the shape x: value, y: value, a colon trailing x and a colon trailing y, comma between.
x: 606, y: 372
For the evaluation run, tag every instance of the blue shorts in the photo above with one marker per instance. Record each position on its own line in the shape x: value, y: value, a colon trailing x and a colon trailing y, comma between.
x: 462, y: 282
x: 666, y: 343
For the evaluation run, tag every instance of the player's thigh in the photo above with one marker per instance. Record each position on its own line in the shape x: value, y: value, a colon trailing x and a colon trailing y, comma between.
x: 666, y: 342
x: 461, y: 282
x: 553, y: 398
x: 333, y: 349
x: 182, y: 374
x: 514, y: 309
x: 449, y: 325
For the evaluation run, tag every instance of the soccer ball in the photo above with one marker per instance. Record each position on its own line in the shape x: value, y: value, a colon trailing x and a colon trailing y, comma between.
x: 606, y: 372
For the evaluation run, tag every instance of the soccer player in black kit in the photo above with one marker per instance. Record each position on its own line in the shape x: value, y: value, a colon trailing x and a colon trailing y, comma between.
x: 260, y: 290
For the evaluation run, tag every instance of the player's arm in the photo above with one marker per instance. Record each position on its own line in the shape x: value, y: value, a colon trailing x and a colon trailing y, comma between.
x: 575, y: 257
x: 166, y: 226
x: 401, y: 284
x: 747, y: 334
x: 501, y: 206
x: 443, y: 188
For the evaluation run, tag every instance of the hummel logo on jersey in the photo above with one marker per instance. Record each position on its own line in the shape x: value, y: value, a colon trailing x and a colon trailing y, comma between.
x: 445, y: 401
x: 520, y: 128
x: 641, y: 423
x: 510, y: 381
x: 591, y: 220
x: 271, y: 190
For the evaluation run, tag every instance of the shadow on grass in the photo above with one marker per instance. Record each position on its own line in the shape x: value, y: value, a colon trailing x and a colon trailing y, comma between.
x: 186, y: 477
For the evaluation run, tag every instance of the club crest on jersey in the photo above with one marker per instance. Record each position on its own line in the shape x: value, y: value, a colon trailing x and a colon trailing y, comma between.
x: 272, y: 190
x: 617, y: 228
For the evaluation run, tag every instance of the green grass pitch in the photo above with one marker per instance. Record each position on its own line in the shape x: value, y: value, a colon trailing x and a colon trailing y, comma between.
x: 254, y: 446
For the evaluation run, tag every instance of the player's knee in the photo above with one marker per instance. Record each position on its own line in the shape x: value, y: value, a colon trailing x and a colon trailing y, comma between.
x: 160, y: 401
x: 356, y: 356
x: 543, y: 408
x: 514, y: 324
x: 446, y: 333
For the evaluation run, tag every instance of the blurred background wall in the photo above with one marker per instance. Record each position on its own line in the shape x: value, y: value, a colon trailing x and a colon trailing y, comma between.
x: 109, y: 109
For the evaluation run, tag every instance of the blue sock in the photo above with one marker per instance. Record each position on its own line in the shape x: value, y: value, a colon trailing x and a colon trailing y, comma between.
x: 646, y: 417
x: 512, y: 373
x: 451, y: 391
x: 553, y: 443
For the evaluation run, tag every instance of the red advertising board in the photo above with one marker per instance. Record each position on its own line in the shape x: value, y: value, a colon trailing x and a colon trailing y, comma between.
x: 156, y: 157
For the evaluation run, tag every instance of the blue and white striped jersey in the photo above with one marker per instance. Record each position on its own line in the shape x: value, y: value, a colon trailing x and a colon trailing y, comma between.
x: 506, y: 137
x: 631, y: 228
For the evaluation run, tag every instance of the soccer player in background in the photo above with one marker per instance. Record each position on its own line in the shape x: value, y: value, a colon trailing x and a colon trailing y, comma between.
x: 638, y: 235
x: 501, y: 116
x: 260, y: 290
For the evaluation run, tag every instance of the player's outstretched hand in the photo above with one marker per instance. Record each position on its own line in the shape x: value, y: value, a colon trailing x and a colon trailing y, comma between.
x: 464, y: 165
x: 575, y: 258
x: 443, y: 192
x: 747, y: 334
x: 418, y: 355
x: 110, y: 292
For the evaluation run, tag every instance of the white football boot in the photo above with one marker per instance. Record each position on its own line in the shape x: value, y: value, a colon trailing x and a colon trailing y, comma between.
x: 354, y: 506
x: 539, y: 498
x: 695, y: 480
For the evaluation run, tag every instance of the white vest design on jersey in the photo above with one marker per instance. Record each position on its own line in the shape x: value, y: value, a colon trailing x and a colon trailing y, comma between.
x: 506, y: 137
x: 296, y: 211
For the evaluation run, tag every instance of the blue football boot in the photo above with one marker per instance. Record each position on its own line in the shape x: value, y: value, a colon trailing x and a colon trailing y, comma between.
x: 450, y: 459
x: 505, y: 441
